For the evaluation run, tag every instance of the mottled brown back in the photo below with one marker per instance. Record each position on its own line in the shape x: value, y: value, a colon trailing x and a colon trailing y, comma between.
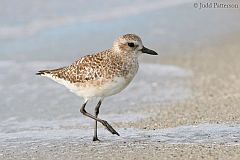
x: 104, y: 64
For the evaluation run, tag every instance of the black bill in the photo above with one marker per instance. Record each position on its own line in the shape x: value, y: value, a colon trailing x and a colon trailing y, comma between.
x: 148, y: 51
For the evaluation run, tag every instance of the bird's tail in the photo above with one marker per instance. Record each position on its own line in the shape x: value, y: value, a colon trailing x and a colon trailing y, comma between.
x: 51, y: 71
x: 43, y: 72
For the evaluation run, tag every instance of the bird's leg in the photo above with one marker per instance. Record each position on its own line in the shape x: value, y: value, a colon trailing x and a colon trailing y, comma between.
x: 105, y: 123
x: 95, y: 138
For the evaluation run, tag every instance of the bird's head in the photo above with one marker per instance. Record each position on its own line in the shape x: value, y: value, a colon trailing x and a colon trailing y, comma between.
x: 131, y: 44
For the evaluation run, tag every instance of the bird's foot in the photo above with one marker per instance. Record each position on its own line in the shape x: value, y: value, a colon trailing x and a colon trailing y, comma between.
x: 109, y: 127
x: 96, y: 139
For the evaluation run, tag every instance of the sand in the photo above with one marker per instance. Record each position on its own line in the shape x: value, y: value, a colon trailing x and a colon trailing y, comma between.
x: 215, y: 87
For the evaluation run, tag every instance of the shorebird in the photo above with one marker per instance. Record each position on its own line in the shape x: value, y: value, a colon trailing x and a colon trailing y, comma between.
x: 101, y: 74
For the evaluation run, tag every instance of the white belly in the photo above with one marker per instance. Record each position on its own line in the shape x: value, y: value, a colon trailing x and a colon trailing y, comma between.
x: 89, y: 90
x: 107, y: 89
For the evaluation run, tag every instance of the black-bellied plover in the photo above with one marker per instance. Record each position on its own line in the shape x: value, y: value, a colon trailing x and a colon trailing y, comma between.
x: 101, y: 74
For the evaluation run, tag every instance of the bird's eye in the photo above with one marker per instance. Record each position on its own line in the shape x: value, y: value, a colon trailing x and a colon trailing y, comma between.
x: 131, y: 44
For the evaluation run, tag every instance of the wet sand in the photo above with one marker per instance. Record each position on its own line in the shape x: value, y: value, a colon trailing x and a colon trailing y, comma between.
x: 215, y: 100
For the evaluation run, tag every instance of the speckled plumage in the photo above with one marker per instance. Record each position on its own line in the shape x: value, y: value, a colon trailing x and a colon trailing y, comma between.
x: 101, y: 74
x: 97, y: 67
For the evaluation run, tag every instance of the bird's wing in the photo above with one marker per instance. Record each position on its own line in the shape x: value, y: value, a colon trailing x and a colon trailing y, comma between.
x: 87, y: 68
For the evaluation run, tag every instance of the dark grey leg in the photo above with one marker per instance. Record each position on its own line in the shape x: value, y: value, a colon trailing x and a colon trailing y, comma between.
x: 105, y: 123
x: 95, y: 138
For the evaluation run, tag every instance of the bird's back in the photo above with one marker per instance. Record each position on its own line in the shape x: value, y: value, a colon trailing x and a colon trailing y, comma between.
x: 95, y: 70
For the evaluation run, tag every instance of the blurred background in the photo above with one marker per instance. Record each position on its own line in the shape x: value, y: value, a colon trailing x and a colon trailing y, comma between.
x: 61, y: 30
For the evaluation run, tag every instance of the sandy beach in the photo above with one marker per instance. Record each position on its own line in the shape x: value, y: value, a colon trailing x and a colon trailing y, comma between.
x: 203, y: 126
